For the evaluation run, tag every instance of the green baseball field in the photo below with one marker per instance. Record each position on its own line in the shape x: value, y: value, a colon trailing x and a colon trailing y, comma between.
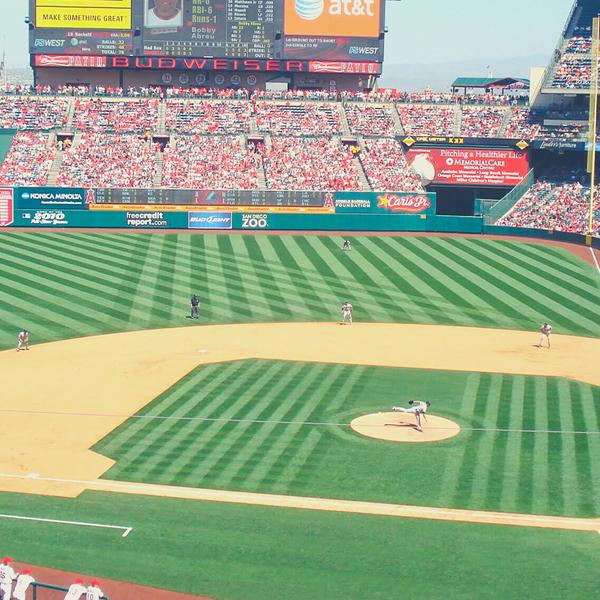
x: 260, y: 424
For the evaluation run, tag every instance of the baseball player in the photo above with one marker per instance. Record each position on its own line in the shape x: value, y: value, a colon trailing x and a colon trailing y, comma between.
x: 417, y: 408
x: 347, y: 313
x: 24, y: 580
x: 347, y: 245
x: 23, y: 340
x: 76, y: 590
x: 93, y: 591
x: 545, y: 331
x: 7, y: 576
x: 194, y: 304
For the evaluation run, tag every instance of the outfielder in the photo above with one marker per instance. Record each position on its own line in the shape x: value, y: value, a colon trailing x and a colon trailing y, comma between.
x: 23, y: 340
x: 417, y: 408
x: 545, y: 331
x: 347, y: 245
x: 347, y: 313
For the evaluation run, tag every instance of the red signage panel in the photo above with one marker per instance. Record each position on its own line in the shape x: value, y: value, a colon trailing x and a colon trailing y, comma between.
x: 7, y: 209
x: 468, y: 166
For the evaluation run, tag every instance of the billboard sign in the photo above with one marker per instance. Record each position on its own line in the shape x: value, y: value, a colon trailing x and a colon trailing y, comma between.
x: 210, y: 220
x: 7, y: 207
x: 391, y: 203
x: 468, y: 166
x: 63, y: 198
x: 83, y: 14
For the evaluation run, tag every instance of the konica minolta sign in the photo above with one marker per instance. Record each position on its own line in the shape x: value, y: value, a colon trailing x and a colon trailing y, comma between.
x: 58, y: 198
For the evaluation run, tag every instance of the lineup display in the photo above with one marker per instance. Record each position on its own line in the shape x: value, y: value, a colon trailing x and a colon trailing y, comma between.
x: 325, y: 30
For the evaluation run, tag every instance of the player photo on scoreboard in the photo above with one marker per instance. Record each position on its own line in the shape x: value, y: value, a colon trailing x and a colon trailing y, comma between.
x: 161, y: 14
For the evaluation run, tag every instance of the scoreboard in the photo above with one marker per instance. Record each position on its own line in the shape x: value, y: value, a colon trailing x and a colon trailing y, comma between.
x: 330, y: 30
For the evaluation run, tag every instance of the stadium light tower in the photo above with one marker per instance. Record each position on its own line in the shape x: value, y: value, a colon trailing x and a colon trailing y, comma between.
x: 593, y: 123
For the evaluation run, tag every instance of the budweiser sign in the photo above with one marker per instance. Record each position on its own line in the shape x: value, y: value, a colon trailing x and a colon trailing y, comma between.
x: 327, y: 66
x: 67, y: 60
x: 406, y: 204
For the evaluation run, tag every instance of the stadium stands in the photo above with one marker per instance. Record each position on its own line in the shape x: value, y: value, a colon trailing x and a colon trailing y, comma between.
x: 298, y: 118
x: 119, y: 116
x: 481, y: 121
x: 208, y: 116
x: 386, y: 168
x: 210, y: 162
x: 369, y: 120
x: 36, y: 114
x: 521, y: 125
x: 109, y: 160
x: 418, y: 119
x: 319, y: 164
x: 28, y: 160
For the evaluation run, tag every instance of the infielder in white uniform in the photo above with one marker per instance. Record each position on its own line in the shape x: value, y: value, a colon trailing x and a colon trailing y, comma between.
x: 23, y: 340
x: 545, y: 331
x: 417, y: 408
x: 347, y: 313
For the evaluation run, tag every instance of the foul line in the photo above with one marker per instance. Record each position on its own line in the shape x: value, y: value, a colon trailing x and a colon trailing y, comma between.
x: 275, y: 422
x: 126, y: 530
x: 595, y: 259
x: 329, y: 504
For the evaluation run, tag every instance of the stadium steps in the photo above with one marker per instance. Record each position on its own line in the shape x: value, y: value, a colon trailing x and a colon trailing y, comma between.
x: 397, y: 120
x: 55, y: 167
x: 362, y: 176
x: 344, y: 119
x: 505, y: 123
x: 253, y: 126
x: 457, y: 120
x: 157, y: 181
x: 162, y: 118
x: 70, y: 113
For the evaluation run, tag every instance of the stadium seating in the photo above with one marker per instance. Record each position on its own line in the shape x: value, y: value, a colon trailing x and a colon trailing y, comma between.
x: 208, y: 116
x: 369, y: 120
x: 386, y: 168
x: 36, y: 114
x: 420, y: 119
x: 297, y: 119
x: 481, y: 121
x: 318, y: 164
x: 119, y: 116
x: 521, y: 124
x: 210, y: 162
x: 558, y: 207
x: 109, y: 160
x: 28, y: 160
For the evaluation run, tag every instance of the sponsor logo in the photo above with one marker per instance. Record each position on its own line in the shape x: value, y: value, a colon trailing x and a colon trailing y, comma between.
x: 146, y: 219
x: 7, y: 212
x: 67, y: 60
x: 90, y: 197
x: 327, y: 66
x: 47, y: 217
x: 210, y: 220
x: 58, y: 196
x: 49, y: 43
x: 353, y: 203
x: 363, y: 50
x: 407, y: 204
x: 309, y: 9
x: 255, y: 221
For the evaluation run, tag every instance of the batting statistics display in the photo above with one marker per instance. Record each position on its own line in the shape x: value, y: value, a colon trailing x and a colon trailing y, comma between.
x: 330, y: 30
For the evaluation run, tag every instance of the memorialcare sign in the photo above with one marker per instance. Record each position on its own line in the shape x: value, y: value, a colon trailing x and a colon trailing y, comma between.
x: 468, y: 166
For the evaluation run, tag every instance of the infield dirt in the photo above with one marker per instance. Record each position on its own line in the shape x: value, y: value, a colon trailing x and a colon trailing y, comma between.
x: 45, y: 446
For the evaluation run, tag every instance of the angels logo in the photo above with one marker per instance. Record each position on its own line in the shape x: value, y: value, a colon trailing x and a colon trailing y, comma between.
x: 407, y: 204
x: 90, y: 197
x: 328, y: 200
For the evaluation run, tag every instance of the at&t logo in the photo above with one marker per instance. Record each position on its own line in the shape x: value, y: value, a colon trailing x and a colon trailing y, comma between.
x: 309, y: 10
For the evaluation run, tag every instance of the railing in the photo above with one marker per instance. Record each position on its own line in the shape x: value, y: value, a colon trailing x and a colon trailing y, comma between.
x: 48, y: 586
x: 500, y: 208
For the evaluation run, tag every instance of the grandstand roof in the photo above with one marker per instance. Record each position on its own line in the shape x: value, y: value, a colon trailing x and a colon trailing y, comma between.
x: 488, y: 82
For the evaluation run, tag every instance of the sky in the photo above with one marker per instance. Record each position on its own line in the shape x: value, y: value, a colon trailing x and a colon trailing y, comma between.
x: 419, y: 31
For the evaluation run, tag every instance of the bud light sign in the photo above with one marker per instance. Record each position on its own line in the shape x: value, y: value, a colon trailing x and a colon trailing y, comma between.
x: 210, y: 220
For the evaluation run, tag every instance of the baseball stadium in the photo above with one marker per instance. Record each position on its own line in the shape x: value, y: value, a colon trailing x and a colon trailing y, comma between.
x: 269, y: 329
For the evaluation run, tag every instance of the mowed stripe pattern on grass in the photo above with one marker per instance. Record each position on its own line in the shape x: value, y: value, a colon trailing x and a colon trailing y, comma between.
x: 61, y: 285
x: 542, y: 472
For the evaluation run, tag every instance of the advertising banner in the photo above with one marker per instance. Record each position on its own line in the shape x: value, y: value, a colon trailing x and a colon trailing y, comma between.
x: 468, y: 166
x: 7, y: 208
x: 83, y: 14
x: 83, y: 218
x: 391, y: 203
x: 37, y: 197
x: 210, y: 220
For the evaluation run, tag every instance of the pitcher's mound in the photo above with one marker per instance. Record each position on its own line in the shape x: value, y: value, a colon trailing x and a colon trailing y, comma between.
x: 400, y: 427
